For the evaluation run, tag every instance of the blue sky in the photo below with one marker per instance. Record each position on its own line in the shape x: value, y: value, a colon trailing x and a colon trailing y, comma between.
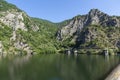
x: 59, y: 10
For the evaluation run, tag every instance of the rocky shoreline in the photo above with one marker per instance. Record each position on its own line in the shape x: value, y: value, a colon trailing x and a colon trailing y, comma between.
x: 115, y: 74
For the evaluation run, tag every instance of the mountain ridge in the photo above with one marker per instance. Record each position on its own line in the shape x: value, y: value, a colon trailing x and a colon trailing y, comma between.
x: 21, y: 34
x: 88, y: 31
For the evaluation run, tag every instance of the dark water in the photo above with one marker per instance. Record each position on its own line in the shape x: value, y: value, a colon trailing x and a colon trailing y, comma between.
x: 57, y: 67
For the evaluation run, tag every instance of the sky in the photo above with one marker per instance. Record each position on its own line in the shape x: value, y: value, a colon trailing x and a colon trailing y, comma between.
x: 59, y: 10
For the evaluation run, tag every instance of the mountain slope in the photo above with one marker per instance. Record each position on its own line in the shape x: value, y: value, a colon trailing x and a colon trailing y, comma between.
x: 21, y: 34
x: 95, y: 30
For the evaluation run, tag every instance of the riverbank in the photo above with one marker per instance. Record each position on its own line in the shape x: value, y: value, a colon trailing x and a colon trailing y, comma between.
x: 115, y: 74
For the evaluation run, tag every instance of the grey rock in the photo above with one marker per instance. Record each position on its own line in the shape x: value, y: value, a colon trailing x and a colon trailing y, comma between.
x: 94, y: 17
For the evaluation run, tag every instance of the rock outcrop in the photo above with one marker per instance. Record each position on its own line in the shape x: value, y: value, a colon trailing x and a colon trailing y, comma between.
x: 14, y: 20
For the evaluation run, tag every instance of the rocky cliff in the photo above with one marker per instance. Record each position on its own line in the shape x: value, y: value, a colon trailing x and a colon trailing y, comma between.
x: 95, y: 30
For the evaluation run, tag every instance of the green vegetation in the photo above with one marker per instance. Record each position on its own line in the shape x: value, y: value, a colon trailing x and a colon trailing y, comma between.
x: 5, y: 34
x: 99, y: 37
x: 43, y: 40
x: 95, y: 39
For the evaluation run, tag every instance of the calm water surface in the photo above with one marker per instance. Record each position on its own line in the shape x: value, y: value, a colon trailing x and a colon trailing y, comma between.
x: 57, y: 67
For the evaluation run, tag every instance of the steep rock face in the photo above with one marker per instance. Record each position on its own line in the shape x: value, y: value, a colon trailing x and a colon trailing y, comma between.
x: 94, y: 17
x: 92, y: 30
x: 13, y: 19
x: 76, y: 24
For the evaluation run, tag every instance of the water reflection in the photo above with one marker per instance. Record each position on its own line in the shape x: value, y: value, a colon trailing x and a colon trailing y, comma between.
x: 57, y: 67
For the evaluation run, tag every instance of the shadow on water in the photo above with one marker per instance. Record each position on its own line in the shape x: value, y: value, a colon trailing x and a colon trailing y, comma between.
x: 57, y: 67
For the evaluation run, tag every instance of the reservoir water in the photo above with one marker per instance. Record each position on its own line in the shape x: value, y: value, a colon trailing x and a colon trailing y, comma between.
x: 57, y: 67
